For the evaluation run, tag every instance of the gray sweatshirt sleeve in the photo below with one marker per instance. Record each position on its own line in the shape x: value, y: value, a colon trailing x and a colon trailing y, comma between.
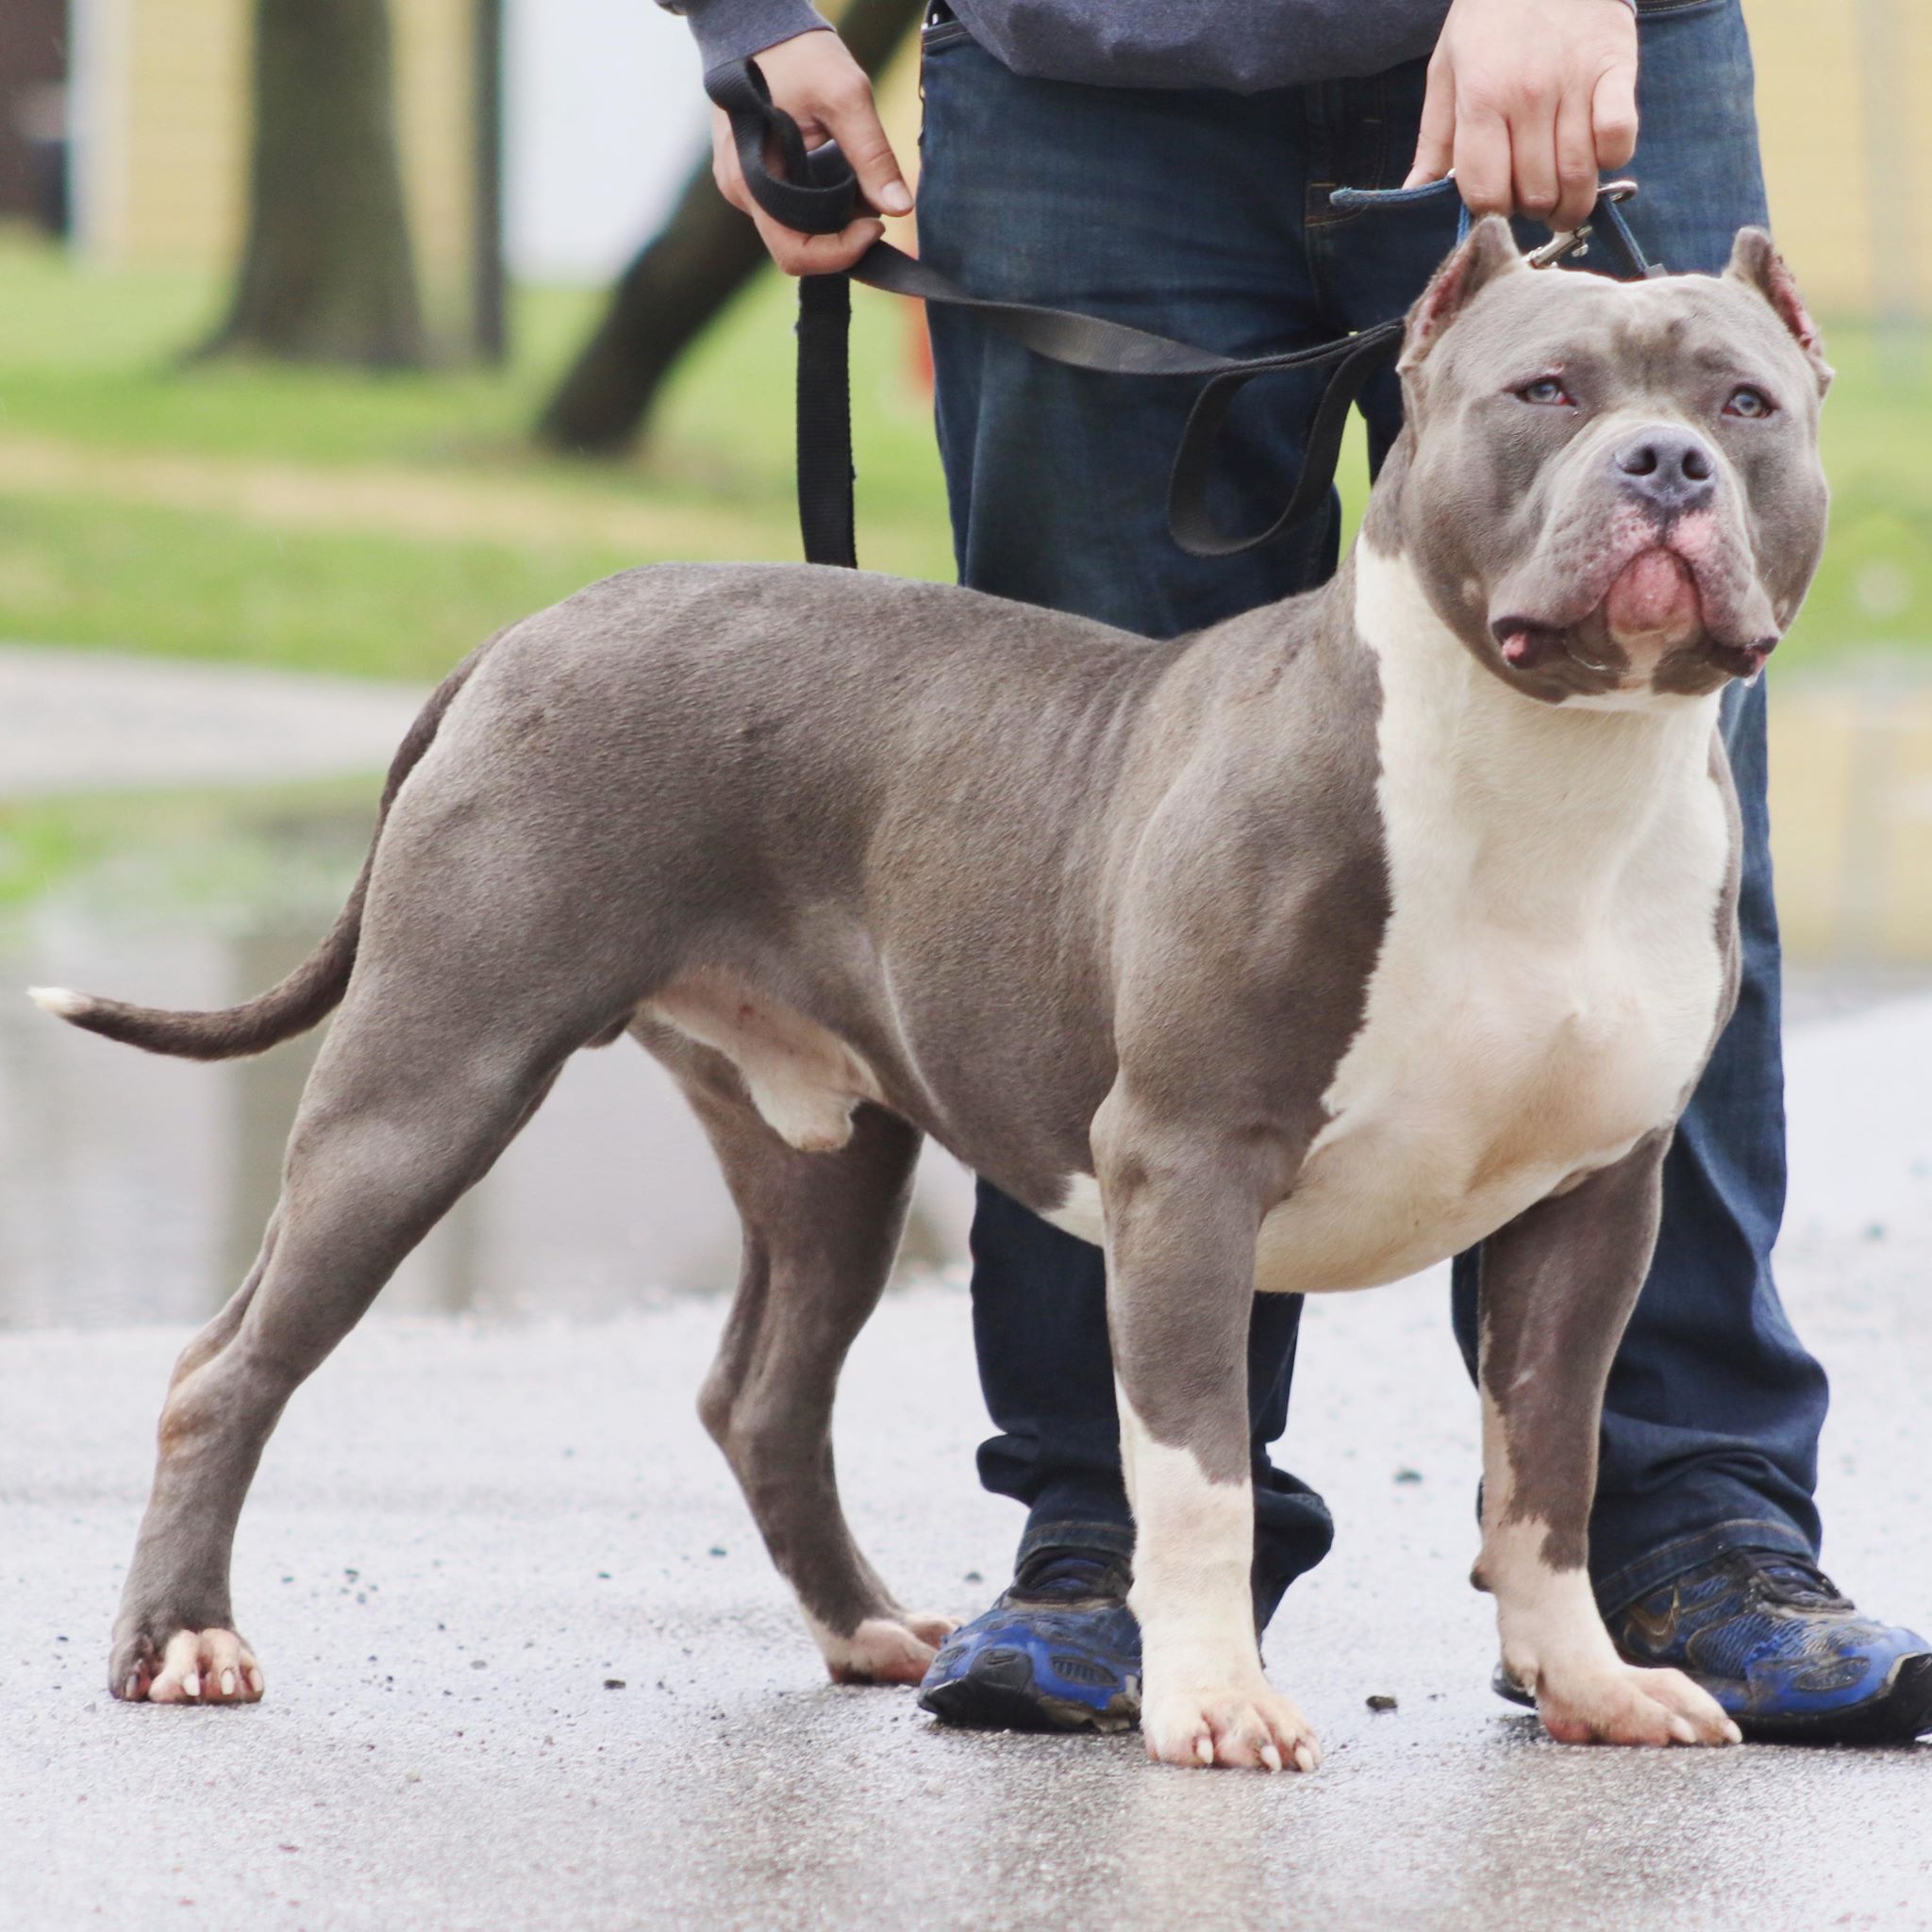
x: 728, y: 29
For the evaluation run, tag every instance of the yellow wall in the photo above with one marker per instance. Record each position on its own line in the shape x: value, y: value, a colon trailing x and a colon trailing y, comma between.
x: 1845, y: 104
x: 166, y: 171
x: 167, y: 177
x: 435, y: 97
x: 1851, y: 813
x: 169, y: 164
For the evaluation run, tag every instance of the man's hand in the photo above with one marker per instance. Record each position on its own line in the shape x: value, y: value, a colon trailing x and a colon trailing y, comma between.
x: 825, y: 89
x: 1526, y: 100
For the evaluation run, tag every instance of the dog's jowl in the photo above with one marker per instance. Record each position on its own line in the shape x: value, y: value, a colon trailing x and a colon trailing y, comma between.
x: 1295, y: 954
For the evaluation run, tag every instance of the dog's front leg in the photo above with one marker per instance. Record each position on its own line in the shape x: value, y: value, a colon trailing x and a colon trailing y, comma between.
x: 1182, y: 1209
x: 1557, y: 1284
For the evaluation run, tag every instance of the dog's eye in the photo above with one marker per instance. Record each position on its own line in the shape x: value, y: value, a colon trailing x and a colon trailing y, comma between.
x: 1747, y: 402
x: 1545, y: 390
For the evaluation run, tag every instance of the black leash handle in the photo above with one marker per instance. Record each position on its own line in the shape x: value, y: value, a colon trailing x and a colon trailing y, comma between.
x: 817, y: 194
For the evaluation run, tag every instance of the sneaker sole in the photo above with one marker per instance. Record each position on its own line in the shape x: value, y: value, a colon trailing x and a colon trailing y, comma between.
x: 973, y: 1703
x: 1901, y: 1713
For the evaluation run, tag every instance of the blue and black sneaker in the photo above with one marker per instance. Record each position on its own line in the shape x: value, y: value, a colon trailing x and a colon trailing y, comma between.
x: 1773, y: 1640
x: 1059, y: 1651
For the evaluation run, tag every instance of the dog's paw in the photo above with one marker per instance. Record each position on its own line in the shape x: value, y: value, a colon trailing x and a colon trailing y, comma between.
x: 1629, y: 1705
x: 191, y: 1667
x: 885, y: 1650
x: 930, y: 1626
x: 1237, y: 1724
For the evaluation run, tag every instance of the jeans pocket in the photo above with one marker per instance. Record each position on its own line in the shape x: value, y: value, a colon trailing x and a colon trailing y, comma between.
x: 935, y: 37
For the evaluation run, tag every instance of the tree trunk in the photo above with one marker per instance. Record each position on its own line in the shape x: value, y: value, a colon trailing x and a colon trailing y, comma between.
x: 326, y: 273
x: 676, y: 287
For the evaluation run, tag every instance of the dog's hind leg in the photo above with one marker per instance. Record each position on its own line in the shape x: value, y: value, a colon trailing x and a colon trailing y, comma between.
x: 820, y: 1234
x: 432, y: 1066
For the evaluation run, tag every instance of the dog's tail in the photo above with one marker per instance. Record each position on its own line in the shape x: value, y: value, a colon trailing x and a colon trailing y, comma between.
x: 310, y: 993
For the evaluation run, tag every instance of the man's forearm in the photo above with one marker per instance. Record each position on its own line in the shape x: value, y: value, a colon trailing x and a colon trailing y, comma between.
x: 730, y: 29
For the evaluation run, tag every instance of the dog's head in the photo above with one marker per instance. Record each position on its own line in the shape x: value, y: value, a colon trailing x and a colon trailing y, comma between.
x: 1622, y: 480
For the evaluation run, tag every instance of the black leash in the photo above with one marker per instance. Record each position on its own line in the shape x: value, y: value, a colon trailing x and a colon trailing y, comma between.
x: 816, y: 193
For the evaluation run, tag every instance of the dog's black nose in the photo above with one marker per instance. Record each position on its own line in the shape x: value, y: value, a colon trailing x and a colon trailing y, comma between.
x: 1672, y: 469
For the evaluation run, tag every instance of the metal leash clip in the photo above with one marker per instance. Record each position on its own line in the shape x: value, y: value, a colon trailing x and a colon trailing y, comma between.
x: 1576, y: 241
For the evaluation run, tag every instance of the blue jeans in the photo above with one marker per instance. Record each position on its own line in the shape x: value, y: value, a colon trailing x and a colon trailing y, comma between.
x: 1205, y: 216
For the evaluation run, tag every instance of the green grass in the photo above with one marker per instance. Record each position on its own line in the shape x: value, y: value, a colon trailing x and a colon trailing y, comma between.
x: 92, y: 361
x: 97, y: 357
x: 1875, y: 584
x: 180, y: 585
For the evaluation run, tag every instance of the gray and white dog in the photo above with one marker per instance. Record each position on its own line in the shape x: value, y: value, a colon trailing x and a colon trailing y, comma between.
x: 1297, y: 955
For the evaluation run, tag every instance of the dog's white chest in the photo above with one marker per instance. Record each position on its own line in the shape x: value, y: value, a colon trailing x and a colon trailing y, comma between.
x: 1550, y: 975
x: 1494, y: 1065
x: 1549, y: 979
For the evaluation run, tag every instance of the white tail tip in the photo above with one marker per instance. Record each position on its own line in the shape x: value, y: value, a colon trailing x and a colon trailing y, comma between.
x: 59, y: 1001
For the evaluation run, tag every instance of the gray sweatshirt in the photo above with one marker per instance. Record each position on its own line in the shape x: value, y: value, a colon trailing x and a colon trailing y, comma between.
x: 1242, y: 44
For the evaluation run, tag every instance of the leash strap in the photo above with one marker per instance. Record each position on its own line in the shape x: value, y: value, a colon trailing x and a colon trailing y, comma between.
x: 825, y: 516
x: 1357, y: 359
x: 816, y: 193
x: 1115, y: 348
x: 1609, y: 216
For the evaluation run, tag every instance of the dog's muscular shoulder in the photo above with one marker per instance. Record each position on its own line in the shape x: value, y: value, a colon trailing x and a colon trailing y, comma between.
x: 1516, y: 983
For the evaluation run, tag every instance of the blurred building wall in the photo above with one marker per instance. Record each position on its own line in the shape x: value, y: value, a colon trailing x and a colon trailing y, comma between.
x: 1850, y: 811
x: 162, y: 125
x: 436, y: 92
x: 605, y: 119
x: 1845, y: 102
x: 162, y: 114
x: 604, y: 111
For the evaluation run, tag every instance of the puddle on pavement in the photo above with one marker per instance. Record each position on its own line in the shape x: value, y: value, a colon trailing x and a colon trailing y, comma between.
x: 134, y: 1189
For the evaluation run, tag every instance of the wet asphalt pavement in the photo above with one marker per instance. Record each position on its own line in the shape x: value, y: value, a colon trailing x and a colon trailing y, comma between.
x: 529, y: 1668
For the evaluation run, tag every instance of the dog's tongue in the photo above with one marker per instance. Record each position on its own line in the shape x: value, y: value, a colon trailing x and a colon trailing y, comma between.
x: 1654, y: 594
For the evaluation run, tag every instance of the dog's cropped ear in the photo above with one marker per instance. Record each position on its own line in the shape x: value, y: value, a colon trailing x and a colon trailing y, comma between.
x: 1490, y: 251
x: 1758, y: 265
